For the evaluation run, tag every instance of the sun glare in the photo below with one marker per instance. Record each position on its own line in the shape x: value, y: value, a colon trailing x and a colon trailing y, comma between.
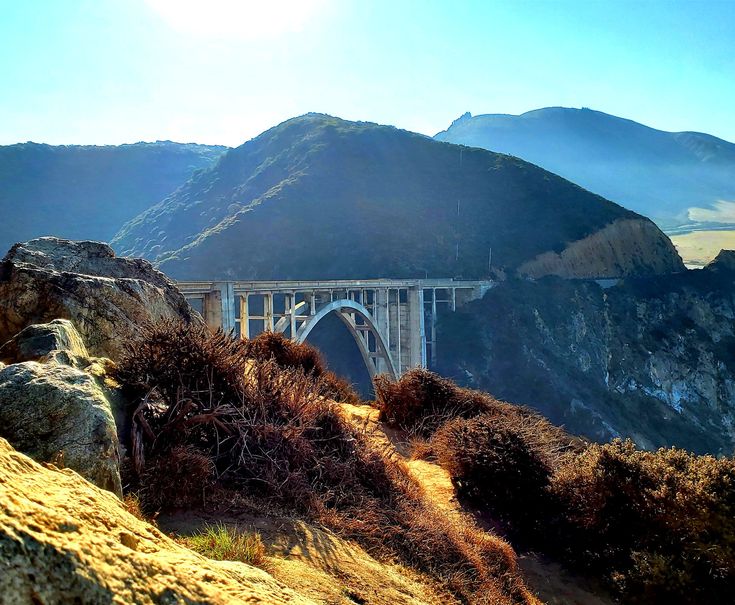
x: 236, y: 18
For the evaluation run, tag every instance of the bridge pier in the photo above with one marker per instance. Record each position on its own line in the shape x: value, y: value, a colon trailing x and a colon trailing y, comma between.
x: 393, y: 321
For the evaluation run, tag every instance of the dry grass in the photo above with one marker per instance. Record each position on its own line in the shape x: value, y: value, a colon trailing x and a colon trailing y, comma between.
x: 131, y: 503
x: 224, y: 543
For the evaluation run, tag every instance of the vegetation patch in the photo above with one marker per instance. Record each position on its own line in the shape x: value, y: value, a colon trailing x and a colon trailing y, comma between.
x: 224, y: 543
x: 253, y: 416
x: 421, y: 401
x: 657, y: 527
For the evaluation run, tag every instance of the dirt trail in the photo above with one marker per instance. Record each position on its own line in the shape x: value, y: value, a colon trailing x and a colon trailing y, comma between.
x: 549, y: 580
x: 322, y: 566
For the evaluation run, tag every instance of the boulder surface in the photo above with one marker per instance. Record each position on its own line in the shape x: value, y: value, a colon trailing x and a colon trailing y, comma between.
x: 57, y: 413
x: 62, y: 540
x: 56, y: 340
x: 106, y: 297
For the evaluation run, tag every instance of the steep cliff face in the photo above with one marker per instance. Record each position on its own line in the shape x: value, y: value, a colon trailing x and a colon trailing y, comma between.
x: 625, y: 247
x: 651, y: 358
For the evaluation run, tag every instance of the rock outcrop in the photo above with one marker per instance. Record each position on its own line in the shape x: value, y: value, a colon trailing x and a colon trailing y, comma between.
x: 106, y: 297
x: 57, y: 413
x: 63, y: 540
x: 45, y: 342
x: 649, y: 358
x: 625, y: 247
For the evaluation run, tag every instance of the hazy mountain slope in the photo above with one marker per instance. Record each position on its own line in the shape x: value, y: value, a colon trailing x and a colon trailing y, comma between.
x: 319, y: 197
x: 88, y: 192
x: 674, y: 178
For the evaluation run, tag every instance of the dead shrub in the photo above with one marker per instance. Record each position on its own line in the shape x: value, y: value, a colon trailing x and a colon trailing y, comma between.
x: 421, y: 401
x: 501, y: 464
x: 285, y: 352
x: 177, y: 478
x: 289, y: 354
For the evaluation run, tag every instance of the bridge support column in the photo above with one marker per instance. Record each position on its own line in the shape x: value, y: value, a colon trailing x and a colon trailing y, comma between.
x: 212, y: 308
x: 382, y: 320
x: 417, y: 351
x: 244, y: 316
x: 227, y: 292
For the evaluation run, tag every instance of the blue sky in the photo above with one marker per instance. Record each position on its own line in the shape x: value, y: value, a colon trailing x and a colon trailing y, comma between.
x: 222, y: 71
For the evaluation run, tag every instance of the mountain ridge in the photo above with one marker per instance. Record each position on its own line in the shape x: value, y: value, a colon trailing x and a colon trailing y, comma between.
x: 88, y: 191
x: 676, y: 178
x: 370, y: 183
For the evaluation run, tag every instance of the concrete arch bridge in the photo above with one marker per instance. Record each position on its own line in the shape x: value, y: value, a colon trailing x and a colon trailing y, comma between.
x: 393, y: 321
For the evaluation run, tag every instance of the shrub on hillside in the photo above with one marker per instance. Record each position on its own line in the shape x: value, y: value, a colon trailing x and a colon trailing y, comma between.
x: 268, y: 429
x: 659, y: 525
x: 501, y: 463
x: 421, y: 401
x: 289, y: 354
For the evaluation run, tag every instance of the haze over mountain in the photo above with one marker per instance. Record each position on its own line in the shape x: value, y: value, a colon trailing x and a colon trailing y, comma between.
x: 86, y: 191
x: 320, y: 197
x: 681, y: 180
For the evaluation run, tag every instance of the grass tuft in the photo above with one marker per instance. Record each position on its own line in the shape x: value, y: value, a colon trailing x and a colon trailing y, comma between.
x: 224, y: 543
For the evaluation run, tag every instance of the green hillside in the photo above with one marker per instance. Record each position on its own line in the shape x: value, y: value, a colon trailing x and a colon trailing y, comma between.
x: 85, y: 191
x: 320, y: 197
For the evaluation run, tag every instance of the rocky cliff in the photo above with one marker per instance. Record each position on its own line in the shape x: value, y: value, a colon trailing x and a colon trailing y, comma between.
x: 652, y: 359
x: 622, y: 247
x: 106, y: 297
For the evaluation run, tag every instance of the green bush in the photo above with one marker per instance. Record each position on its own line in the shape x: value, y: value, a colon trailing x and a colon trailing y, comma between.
x: 660, y: 526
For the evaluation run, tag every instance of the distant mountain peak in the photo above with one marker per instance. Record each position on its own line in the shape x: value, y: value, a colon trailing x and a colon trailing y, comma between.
x: 663, y: 175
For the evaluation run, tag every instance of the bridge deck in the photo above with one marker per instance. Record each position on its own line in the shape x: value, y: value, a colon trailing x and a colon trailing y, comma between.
x: 393, y: 320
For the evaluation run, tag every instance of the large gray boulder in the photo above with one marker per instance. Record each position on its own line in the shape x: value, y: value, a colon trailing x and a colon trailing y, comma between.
x: 58, y: 413
x: 106, y: 297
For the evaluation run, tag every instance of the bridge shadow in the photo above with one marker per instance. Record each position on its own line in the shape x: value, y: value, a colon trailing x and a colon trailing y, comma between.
x: 341, y: 354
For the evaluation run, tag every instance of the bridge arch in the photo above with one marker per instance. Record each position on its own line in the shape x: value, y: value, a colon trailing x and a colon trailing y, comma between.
x: 348, y: 311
